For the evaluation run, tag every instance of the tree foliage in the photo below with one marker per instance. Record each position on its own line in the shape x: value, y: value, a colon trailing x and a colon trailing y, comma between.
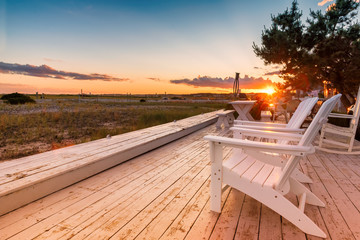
x: 326, y: 47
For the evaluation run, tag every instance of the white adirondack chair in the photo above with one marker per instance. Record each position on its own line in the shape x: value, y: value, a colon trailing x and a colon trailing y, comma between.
x: 302, y: 111
x: 265, y: 182
x: 293, y: 126
x: 334, y: 144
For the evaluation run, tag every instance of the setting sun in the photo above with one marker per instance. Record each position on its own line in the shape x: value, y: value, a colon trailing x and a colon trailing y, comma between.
x: 269, y: 90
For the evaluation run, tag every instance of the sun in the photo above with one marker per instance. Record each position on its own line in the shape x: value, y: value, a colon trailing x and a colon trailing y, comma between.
x: 269, y: 90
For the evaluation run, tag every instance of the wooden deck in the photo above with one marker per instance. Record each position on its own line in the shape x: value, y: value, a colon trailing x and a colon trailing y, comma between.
x: 164, y: 194
x: 27, y: 179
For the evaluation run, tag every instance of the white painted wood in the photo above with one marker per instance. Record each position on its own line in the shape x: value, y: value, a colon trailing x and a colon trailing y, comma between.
x: 277, y: 180
x: 326, y: 144
x: 302, y: 111
x: 297, y: 150
x: 255, y: 123
x: 243, y: 108
x: 265, y: 134
x: 226, y: 118
x: 265, y: 116
x: 216, y: 176
x: 271, y: 128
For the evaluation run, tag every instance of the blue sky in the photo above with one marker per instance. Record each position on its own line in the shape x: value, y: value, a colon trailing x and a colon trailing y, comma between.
x: 133, y: 46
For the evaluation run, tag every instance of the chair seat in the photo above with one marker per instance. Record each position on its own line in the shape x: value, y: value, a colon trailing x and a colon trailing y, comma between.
x: 251, y: 170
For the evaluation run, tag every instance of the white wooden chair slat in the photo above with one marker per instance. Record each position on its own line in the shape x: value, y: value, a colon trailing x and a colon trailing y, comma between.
x: 260, y: 179
x: 296, y: 150
x: 339, y: 115
x: 275, y: 129
x: 293, y: 126
x: 253, y: 170
x: 242, y: 167
x: 266, y: 134
x: 302, y: 111
x: 243, y: 122
x: 273, y: 178
x: 265, y: 182
x: 333, y: 144
x: 234, y: 160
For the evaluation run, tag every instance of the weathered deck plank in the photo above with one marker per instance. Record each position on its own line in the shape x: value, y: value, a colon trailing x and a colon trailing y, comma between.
x: 164, y: 194
x: 27, y: 179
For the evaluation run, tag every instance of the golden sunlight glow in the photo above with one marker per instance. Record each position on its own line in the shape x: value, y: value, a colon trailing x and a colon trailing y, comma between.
x: 269, y: 90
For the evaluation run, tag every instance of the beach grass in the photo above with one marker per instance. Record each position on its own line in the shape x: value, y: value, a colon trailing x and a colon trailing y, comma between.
x: 55, y: 123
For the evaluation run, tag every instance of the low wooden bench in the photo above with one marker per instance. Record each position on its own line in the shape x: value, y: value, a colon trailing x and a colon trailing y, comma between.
x: 266, y: 116
x: 226, y: 117
x: 27, y: 179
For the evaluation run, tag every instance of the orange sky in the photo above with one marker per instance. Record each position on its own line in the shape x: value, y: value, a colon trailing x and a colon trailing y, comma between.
x: 138, y: 47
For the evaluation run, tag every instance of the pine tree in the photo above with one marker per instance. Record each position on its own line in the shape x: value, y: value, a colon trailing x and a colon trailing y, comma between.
x: 327, y: 47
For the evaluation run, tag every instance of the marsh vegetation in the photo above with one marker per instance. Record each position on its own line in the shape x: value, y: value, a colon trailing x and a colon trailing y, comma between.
x: 54, y: 123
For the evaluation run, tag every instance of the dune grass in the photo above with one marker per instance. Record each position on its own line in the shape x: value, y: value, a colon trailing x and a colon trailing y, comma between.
x: 33, y: 128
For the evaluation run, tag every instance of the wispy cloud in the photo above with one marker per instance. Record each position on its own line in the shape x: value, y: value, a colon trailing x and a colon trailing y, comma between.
x: 45, y: 71
x: 323, y: 2
x: 272, y: 73
x: 276, y: 67
x: 206, y: 81
x: 154, y: 79
x: 53, y: 60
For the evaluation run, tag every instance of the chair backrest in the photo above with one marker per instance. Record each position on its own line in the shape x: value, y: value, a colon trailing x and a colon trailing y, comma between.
x: 319, y: 119
x: 309, y: 135
x: 356, y: 112
x: 302, y: 111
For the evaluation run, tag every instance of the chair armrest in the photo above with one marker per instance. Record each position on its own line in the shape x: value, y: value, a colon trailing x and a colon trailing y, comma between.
x: 268, y: 134
x: 261, y: 146
x: 271, y: 128
x: 253, y: 123
x: 338, y: 115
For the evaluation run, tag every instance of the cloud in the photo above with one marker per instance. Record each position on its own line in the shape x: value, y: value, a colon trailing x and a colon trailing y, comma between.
x: 275, y: 67
x: 53, y: 60
x: 45, y: 71
x: 227, y: 83
x: 272, y: 73
x: 323, y: 2
x: 154, y: 79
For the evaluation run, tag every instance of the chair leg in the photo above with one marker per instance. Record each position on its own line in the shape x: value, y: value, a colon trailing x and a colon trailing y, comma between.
x: 321, y: 137
x: 278, y: 203
x: 351, y: 143
x: 226, y: 122
x: 301, y: 177
x: 297, y: 188
x: 231, y: 118
x: 219, y: 121
x: 296, y: 216
x: 216, y: 177
x: 286, y: 117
